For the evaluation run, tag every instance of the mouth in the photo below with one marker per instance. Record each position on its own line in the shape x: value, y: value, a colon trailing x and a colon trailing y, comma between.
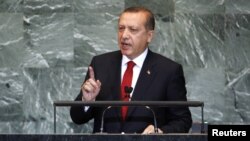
x: 125, y: 45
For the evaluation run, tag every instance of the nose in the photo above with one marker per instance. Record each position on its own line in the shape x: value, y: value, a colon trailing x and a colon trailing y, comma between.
x: 125, y: 34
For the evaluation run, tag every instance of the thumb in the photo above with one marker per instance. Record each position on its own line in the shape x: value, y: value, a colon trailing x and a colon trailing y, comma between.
x: 99, y: 83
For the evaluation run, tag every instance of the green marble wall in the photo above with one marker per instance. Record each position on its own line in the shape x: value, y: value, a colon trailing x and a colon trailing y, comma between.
x: 46, y: 46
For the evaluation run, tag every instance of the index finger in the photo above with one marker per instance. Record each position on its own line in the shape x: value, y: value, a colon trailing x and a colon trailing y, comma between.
x: 91, y: 73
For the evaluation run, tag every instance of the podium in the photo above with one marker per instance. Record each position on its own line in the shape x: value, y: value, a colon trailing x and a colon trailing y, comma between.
x: 133, y: 103
x: 102, y: 137
x: 115, y: 137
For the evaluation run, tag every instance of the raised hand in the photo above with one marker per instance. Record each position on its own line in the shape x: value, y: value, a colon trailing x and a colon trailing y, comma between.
x: 91, y: 87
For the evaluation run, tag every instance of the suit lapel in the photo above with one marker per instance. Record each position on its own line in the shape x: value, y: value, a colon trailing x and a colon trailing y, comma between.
x: 145, y: 79
x: 115, y: 74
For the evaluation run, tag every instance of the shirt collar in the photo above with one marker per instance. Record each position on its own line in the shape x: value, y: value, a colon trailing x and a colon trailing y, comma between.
x: 138, y: 60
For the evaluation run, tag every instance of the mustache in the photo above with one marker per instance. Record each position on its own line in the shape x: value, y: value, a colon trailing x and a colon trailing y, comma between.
x: 125, y: 43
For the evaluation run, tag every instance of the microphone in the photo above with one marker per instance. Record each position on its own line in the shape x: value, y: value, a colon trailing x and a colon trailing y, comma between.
x: 128, y: 90
x: 155, y: 123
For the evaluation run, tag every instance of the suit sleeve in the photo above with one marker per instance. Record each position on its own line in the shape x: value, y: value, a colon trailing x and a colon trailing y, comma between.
x: 179, y: 119
x: 77, y: 113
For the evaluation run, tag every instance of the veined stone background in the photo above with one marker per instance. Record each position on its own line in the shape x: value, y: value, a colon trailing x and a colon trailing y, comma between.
x: 46, y: 46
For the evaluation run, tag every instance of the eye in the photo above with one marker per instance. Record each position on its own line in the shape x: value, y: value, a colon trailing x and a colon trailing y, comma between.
x: 134, y: 30
x: 121, y: 28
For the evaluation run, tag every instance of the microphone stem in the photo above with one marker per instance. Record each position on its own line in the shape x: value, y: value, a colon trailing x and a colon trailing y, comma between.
x: 102, y: 122
x: 155, y: 123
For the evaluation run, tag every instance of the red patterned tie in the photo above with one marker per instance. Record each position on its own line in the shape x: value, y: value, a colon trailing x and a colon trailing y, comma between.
x: 126, y: 82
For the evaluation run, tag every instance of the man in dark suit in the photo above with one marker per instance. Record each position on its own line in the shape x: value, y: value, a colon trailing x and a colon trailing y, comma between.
x: 155, y: 78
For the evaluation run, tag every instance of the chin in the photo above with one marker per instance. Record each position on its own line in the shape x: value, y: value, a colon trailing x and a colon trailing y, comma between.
x: 125, y: 52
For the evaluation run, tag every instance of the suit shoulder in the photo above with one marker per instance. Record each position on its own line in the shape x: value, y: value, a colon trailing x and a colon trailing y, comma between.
x: 107, y: 55
x: 166, y: 65
x: 165, y: 61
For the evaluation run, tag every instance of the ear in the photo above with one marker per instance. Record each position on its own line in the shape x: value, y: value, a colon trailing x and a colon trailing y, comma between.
x: 150, y: 35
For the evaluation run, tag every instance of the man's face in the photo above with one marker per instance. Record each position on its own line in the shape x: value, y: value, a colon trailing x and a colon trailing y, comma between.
x: 133, y: 37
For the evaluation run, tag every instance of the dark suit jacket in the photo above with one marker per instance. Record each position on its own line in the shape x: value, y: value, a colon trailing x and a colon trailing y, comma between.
x: 165, y: 82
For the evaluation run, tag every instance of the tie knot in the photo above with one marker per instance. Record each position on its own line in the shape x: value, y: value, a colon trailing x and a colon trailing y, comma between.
x: 130, y: 64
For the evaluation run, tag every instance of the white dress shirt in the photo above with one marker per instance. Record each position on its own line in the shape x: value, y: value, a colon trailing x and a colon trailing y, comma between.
x: 136, y: 69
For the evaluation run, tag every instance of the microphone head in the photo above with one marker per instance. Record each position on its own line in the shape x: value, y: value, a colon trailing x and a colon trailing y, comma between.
x: 128, y: 89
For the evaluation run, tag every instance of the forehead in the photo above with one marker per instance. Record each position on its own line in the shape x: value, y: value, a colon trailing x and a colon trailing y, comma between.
x: 133, y: 19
